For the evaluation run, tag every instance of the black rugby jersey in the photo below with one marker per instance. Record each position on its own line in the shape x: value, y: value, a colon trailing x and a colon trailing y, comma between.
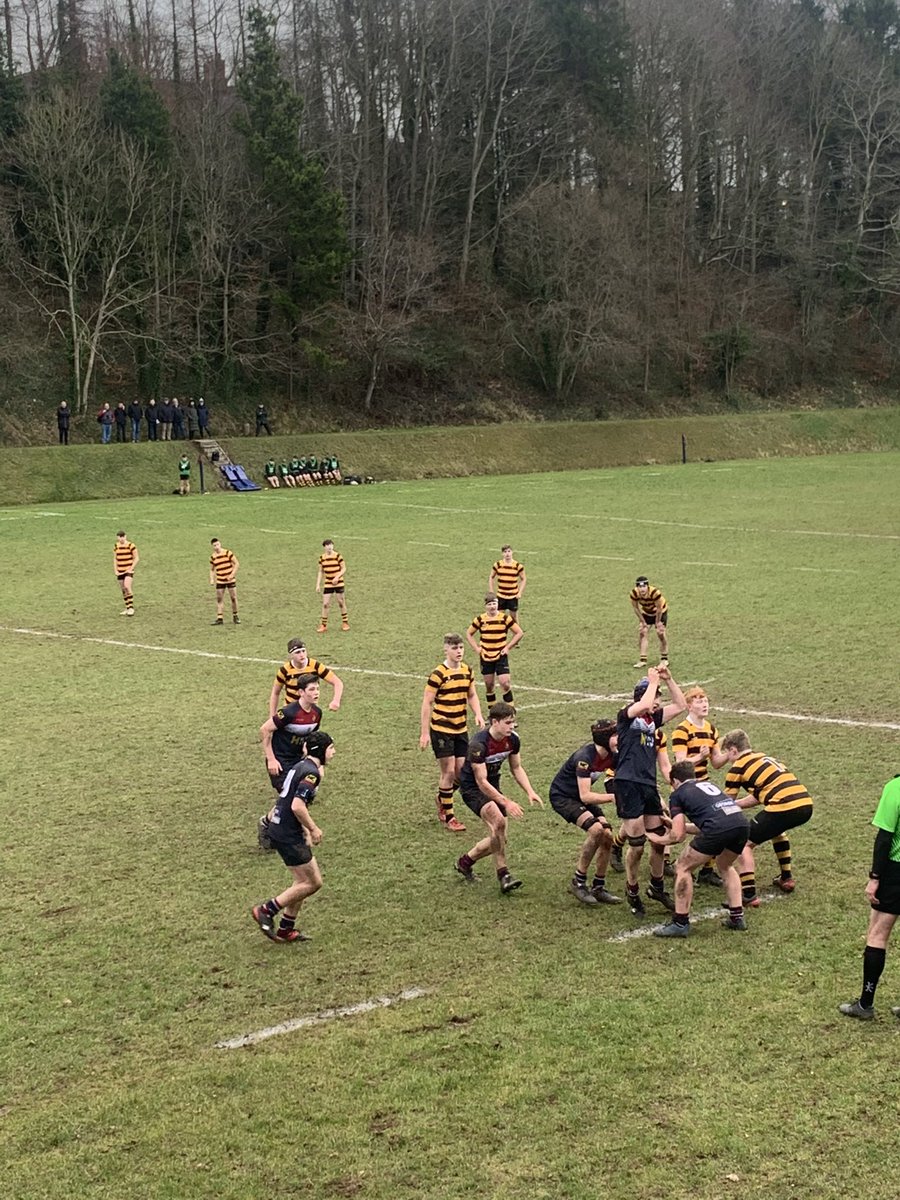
x: 707, y: 807
x: 493, y: 752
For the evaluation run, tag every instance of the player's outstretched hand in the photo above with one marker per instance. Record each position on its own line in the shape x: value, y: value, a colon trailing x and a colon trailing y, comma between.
x: 534, y: 798
x: 653, y: 674
x: 513, y: 809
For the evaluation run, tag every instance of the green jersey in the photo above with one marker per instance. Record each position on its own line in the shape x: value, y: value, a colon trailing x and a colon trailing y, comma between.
x: 887, y: 814
x: 295, y: 466
x: 184, y: 468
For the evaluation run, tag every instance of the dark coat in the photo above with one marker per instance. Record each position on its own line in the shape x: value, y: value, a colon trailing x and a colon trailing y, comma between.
x: 62, y: 417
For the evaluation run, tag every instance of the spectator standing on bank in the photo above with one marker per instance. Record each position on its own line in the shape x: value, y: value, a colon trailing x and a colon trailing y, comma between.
x: 136, y: 413
x: 105, y: 420
x: 262, y: 420
x: 63, y: 416
x: 203, y: 417
x: 177, y: 420
x: 152, y: 415
x: 121, y: 419
x: 193, y: 424
x: 165, y: 420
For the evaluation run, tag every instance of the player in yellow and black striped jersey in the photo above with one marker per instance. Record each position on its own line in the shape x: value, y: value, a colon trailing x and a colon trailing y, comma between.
x: 444, y: 721
x: 223, y: 569
x: 507, y: 580
x: 497, y: 634
x: 650, y: 608
x: 125, y: 559
x: 299, y: 663
x: 785, y: 801
x: 330, y: 582
x: 696, y: 740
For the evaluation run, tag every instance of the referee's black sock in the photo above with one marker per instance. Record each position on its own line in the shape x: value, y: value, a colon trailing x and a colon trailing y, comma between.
x: 873, y: 965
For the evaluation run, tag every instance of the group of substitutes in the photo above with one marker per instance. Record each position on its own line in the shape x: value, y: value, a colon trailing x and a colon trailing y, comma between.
x: 619, y: 766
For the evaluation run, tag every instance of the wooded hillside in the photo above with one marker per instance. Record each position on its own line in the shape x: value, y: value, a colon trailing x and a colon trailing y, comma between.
x: 379, y: 204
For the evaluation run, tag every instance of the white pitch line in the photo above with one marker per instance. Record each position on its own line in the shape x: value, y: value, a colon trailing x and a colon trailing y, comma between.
x: 709, y: 562
x: 557, y: 703
x: 709, y: 914
x: 32, y: 516
x: 510, y: 512
x: 521, y: 687
x: 608, y: 557
x: 442, y: 545
x: 320, y: 1018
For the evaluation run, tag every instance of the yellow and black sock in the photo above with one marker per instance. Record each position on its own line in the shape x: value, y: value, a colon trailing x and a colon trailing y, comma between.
x: 129, y: 600
x: 445, y: 800
x: 748, y: 884
x: 782, y: 847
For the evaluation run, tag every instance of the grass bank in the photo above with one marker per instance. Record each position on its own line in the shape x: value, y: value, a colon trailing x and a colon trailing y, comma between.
x: 52, y: 474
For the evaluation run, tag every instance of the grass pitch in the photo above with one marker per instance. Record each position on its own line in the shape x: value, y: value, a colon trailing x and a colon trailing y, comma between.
x: 547, y: 1059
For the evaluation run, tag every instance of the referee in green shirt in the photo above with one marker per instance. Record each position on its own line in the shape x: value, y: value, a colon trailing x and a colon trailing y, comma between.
x: 883, y: 893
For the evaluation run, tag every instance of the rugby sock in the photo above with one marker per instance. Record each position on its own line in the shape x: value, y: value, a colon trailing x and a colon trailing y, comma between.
x: 599, y: 883
x: 502, y: 873
x: 580, y: 879
x: 782, y: 848
x: 736, y: 913
x: 129, y: 600
x: 271, y: 907
x: 873, y: 965
x: 658, y: 885
x: 681, y: 918
x: 465, y: 863
x: 508, y: 697
x: 748, y: 883
x: 445, y: 800
x: 287, y: 923
x: 490, y: 697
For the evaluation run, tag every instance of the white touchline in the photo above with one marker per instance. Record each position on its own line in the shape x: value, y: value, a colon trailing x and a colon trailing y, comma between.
x: 521, y: 687
x: 608, y: 557
x: 320, y: 1018
x: 709, y: 914
x: 442, y: 545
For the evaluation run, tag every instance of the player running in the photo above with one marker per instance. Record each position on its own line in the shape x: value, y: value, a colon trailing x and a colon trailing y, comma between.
x: 479, y: 785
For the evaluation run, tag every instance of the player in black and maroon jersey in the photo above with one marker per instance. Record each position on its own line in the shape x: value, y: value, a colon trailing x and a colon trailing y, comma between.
x: 294, y: 832
x: 479, y: 785
x: 572, y: 798
x: 284, y: 741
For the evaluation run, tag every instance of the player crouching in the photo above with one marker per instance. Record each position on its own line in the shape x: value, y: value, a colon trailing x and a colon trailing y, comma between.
x: 293, y: 832
x: 721, y: 831
x: 572, y: 798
